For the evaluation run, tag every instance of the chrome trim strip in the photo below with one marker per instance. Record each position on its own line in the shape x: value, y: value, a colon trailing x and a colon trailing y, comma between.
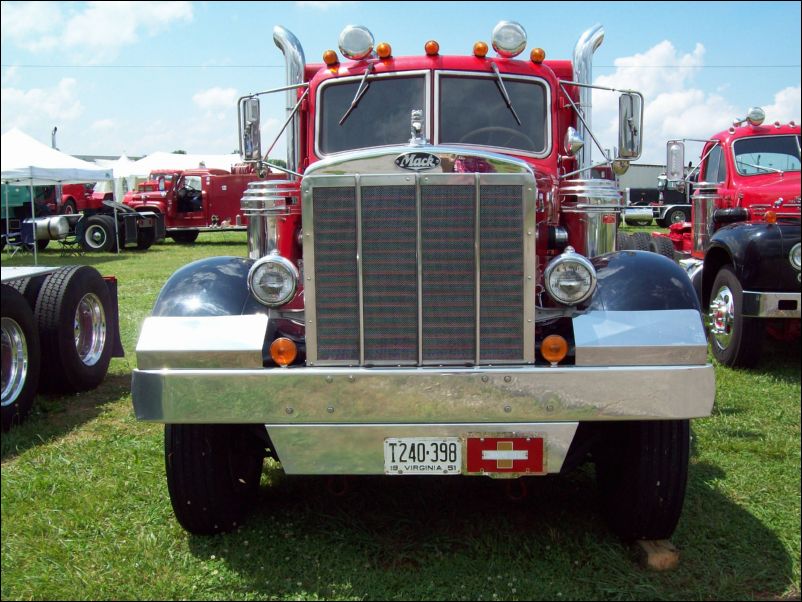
x: 318, y: 103
x: 202, y: 342
x: 477, y: 267
x: 767, y: 305
x: 530, y: 269
x: 399, y: 395
x: 358, y: 449
x: 419, y: 266
x: 636, y: 338
x: 509, y: 76
x: 360, y: 282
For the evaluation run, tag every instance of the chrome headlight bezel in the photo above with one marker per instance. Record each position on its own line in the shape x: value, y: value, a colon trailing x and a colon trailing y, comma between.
x: 567, y: 259
x: 795, y: 256
x: 283, y: 266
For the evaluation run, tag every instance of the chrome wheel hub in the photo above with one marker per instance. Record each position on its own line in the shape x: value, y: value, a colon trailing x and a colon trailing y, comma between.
x: 14, y: 360
x: 89, y: 329
x: 96, y: 236
x: 722, y: 317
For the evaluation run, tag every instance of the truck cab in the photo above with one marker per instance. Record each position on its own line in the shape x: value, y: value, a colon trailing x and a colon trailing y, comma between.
x: 745, y: 255
x: 431, y: 287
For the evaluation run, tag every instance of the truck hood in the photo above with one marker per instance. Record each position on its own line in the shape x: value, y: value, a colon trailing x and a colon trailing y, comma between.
x: 767, y: 188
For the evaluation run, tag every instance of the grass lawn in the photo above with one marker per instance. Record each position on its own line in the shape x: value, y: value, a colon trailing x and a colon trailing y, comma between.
x: 86, y: 514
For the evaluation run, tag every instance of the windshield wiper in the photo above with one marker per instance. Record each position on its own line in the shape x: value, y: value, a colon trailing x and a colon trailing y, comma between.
x: 360, y: 92
x: 774, y: 169
x: 503, y: 91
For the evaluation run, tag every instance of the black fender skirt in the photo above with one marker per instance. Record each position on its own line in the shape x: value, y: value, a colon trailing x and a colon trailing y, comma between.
x: 641, y: 281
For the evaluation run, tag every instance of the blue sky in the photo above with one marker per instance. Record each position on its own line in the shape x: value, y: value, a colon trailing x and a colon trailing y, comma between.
x: 139, y: 77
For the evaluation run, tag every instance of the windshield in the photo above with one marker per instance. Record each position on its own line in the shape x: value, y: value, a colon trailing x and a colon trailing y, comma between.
x: 767, y: 154
x: 486, y: 120
x: 381, y: 118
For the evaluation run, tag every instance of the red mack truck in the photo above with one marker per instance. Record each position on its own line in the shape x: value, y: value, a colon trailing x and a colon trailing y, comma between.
x: 194, y: 200
x: 431, y: 288
x: 742, y: 248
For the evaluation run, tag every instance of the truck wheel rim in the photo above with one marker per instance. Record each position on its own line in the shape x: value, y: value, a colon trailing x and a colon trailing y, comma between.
x: 89, y: 328
x: 95, y: 236
x: 722, y: 317
x: 14, y: 360
x: 677, y: 217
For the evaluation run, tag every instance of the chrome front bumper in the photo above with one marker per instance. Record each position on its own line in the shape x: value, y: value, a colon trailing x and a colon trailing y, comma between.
x: 771, y: 305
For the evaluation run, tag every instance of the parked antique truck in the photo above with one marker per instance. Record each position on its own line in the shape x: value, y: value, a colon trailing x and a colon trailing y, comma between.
x: 432, y: 288
x: 195, y: 200
x: 59, y: 330
x: 742, y: 248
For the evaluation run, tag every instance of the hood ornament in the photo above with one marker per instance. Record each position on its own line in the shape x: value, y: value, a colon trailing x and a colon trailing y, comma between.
x: 418, y: 136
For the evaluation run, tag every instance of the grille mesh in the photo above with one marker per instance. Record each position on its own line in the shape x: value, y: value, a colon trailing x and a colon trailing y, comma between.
x: 390, y: 287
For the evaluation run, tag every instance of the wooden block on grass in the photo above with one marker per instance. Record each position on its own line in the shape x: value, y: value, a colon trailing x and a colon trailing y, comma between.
x: 658, y: 555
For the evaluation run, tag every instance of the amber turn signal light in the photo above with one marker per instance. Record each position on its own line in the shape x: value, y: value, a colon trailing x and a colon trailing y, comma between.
x: 330, y: 58
x: 480, y: 50
x: 383, y: 50
x: 554, y: 348
x: 432, y: 48
x: 770, y: 217
x: 283, y: 351
x: 538, y: 55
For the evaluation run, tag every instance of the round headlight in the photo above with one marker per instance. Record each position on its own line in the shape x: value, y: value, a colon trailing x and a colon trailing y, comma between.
x: 570, y: 278
x: 273, y: 280
x: 356, y: 42
x: 794, y: 256
x: 509, y: 39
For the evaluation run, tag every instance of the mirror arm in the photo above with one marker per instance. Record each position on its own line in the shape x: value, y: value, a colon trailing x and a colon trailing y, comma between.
x: 255, y: 95
x: 582, y: 119
x: 286, y: 123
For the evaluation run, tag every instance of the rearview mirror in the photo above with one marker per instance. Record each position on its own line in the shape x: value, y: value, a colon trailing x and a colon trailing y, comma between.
x: 675, y: 161
x: 251, y: 139
x: 630, y: 125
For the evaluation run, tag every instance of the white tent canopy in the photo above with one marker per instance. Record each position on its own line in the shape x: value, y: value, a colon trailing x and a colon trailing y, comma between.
x: 27, y: 161
x: 162, y: 160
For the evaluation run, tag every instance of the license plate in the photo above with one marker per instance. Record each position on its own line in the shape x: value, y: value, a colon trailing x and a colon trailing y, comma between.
x: 423, y: 455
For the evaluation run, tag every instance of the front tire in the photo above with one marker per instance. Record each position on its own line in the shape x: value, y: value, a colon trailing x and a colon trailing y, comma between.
x: 642, y: 471
x: 734, y: 339
x: 21, y: 357
x: 213, y: 474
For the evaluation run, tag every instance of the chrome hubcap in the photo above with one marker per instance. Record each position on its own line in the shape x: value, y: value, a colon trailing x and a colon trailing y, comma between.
x: 722, y: 317
x: 14, y: 360
x: 89, y: 328
x: 95, y: 236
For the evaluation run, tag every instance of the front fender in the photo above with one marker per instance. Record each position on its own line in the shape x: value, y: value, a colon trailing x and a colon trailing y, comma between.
x: 216, y: 286
x: 641, y: 281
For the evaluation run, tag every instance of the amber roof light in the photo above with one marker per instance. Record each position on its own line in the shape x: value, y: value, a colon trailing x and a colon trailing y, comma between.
x: 480, y: 50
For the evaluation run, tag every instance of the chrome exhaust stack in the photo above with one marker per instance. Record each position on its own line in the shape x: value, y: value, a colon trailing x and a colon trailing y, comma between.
x: 296, y: 63
x: 587, y: 44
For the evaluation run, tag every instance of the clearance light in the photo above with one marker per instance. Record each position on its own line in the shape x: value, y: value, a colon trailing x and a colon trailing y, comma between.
x: 383, y: 50
x: 432, y: 48
x: 554, y: 348
x: 509, y: 39
x: 283, y: 351
x: 480, y: 50
x: 356, y: 42
x: 538, y: 55
x: 770, y: 217
x: 330, y: 58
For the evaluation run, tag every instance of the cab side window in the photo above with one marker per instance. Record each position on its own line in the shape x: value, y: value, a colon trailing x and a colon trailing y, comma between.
x: 715, y: 166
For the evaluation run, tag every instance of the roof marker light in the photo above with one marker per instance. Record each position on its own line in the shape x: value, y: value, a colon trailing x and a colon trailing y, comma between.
x: 384, y: 50
x: 432, y: 48
x: 538, y: 55
x: 480, y: 50
x: 330, y: 58
x: 509, y: 39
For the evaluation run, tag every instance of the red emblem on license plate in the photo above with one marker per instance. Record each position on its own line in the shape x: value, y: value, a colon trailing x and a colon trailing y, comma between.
x: 491, y: 454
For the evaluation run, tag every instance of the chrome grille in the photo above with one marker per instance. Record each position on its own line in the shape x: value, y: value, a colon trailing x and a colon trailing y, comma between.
x: 419, y: 269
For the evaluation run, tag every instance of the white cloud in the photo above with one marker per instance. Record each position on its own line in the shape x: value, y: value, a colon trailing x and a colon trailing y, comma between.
x: 216, y: 98
x: 786, y: 106
x: 103, y: 125
x: 21, y: 108
x: 92, y: 35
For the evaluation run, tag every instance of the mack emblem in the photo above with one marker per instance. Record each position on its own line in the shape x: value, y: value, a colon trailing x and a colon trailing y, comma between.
x: 417, y: 161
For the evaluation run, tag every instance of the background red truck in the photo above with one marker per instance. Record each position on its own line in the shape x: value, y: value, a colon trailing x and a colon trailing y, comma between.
x: 743, y: 244
x: 194, y: 200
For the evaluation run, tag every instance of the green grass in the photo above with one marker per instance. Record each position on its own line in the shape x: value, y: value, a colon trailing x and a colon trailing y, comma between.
x: 86, y: 514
